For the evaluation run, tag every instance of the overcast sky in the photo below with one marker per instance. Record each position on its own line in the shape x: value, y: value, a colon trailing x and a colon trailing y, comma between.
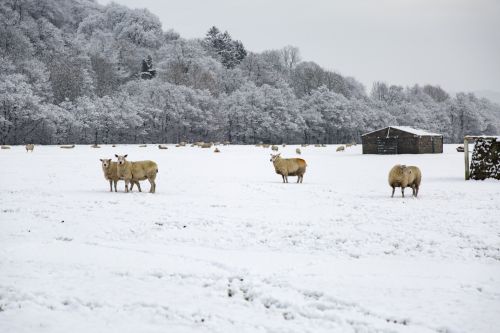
x: 453, y: 43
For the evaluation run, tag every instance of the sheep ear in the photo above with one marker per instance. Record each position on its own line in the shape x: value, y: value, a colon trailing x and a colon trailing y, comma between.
x: 116, y: 156
x: 109, y: 160
x: 100, y: 159
x: 125, y: 155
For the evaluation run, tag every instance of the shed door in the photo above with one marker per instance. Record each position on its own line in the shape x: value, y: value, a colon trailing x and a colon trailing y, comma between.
x: 387, y: 145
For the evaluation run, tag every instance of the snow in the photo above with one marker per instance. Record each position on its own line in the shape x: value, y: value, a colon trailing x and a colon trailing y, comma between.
x: 224, y: 246
x: 409, y: 130
x: 415, y: 131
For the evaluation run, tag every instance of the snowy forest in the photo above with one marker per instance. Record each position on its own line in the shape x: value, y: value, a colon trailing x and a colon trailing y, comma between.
x: 74, y: 71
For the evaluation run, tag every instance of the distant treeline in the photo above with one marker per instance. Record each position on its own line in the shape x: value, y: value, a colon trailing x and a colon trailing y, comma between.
x: 74, y: 71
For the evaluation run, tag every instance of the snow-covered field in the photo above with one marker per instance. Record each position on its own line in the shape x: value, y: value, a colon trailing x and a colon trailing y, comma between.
x: 224, y: 246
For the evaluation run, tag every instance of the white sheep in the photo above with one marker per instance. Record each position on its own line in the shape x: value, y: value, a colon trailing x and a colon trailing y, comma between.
x: 405, y: 176
x: 133, y: 172
x: 289, y: 167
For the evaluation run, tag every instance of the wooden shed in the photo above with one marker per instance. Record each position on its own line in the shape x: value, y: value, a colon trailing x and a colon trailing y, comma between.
x: 401, y: 140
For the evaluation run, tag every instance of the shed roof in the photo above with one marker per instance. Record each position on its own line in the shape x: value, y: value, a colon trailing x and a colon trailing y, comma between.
x: 408, y: 129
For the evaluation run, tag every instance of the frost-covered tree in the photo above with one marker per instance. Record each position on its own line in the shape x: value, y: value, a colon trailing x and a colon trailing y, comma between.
x: 70, y: 72
x: 230, y: 52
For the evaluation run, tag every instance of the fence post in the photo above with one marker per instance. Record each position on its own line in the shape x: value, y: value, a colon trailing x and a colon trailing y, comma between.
x: 466, y: 155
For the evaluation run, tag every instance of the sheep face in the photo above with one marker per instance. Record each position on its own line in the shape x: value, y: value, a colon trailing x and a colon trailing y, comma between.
x: 274, y: 157
x: 105, y: 162
x: 121, y: 159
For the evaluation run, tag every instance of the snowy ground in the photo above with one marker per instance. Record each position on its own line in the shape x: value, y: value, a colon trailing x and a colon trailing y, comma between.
x: 224, y: 246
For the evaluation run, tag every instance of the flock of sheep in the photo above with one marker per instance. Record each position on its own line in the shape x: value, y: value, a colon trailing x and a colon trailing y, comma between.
x: 133, y: 172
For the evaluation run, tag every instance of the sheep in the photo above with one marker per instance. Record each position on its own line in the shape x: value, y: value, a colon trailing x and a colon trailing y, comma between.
x: 405, y: 176
x: 289, y: 167
x: 113, y: 145
x: 5, y: 147
x: 298, y: 151
x: 133, y: 172
x: 274, y: 148
x: 348, y: 145
x: 143, y: 146
x: 67, y: 146
x: 30, y: 147
x: 162, y: 147
x: 95, y: 146
x: 304, y: 145
x: 317, y: 145
x: 265, y: 145
x: 110, y: 172
x: 216, y: 150
x: 340, y: 148
x: 206, y: 145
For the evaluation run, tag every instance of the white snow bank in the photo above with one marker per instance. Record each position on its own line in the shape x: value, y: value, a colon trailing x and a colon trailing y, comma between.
x: 224, y: 246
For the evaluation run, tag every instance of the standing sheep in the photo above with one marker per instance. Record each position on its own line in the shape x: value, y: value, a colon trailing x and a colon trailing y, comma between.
x: 289, y: 167
x: 133, y: 172
x: 404, y: 176
x: 110, y: 172
x: 298, y: 151
x: 341, y: 148
x: 30, y: 147
x: 274, y: 148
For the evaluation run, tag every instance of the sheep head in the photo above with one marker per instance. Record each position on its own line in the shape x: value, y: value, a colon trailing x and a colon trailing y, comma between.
x: 121, y: 159
x: 106, y: 162
x: 274, y: 157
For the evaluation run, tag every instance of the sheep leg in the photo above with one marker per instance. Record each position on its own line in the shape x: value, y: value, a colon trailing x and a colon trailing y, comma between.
x: 126, y: 185
x: 116, y: 182
x: 301, y: 178
x: 393, y: 189
x: 153, y: 185
x: 416, y: 191
x: 283, y: 176
x: 403, y: 191
x: 110, y: 186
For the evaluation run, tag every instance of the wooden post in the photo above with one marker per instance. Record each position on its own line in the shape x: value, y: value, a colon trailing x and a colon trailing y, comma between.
x: 466, y: 155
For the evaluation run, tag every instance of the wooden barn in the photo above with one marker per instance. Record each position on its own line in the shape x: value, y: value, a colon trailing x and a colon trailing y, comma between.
x: 401, y: 140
